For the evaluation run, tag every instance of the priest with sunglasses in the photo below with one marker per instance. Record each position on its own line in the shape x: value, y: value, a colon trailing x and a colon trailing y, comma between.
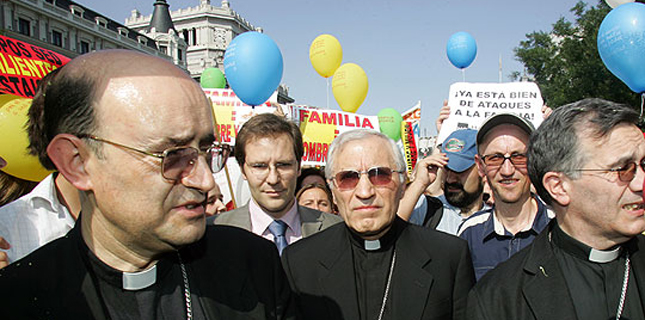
x: 134, y: 134
x: 518, y: 216
x: 586, y: 161
x: 376, y: 265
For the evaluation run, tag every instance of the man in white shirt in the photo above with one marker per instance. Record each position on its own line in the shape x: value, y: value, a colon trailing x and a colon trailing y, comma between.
x: 46, y: 213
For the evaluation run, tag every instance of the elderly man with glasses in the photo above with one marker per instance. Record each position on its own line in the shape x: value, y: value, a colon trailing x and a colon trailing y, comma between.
x: 586, y: 161
x: 134, y: 134
x: 376, y: 265
x: 518, y: 216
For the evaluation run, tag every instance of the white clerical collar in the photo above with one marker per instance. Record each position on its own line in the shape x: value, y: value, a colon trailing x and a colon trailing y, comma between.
x: 371, y: 245
x: 140, y: 280
x: 600, y: 256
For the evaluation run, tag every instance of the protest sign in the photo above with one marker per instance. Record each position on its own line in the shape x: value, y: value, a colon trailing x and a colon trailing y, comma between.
x: 320, y: 127
x: 23, y: 64
x: 231, y: 113
x: 472, y: 103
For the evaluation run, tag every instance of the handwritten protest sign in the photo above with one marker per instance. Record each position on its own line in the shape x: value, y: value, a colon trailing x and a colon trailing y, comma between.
x: 320, y: 127
x: 472, y: 103
x: 23, y: 64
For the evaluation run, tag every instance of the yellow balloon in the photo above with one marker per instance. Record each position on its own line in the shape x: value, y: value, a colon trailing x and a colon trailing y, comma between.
x: 14, y: 140
x: 325, y: 54
x: 349, y: 86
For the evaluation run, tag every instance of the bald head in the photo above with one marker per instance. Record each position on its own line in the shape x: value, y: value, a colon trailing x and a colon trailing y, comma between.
x: 69, y: 99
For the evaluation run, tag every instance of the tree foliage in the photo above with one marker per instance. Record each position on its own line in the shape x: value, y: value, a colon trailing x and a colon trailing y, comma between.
x: 565, y: 63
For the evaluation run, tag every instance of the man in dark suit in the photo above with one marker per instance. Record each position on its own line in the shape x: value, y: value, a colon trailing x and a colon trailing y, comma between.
x: 586, y: 160
x: 134, y: 134
x: 375, y: 265
x: 269, y: 149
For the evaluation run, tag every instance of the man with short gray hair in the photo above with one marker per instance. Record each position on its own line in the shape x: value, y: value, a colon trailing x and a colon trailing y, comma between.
x: 376, y: 265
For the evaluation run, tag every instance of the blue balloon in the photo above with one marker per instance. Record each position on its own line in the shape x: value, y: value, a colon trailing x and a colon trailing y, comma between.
x: 253, y: 67
x: 621, y: 44
x: 461, y: 49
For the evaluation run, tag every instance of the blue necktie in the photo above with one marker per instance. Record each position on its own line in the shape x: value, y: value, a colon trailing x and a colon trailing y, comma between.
x: 277, y: 229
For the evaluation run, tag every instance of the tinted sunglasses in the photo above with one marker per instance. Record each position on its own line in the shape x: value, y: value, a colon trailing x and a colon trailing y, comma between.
x: 497, y: 159
x: 625, y: 173
x: 378, y: 176
x: 179, y: 162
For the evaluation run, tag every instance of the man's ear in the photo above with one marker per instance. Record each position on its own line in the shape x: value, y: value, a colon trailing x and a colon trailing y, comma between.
x: 70, y: 154
x: 480, y: 166
x: 557, y: 185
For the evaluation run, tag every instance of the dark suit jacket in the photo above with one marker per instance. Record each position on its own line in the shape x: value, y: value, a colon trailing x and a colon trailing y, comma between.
x: 531, y: 285
x: 240, y: 278
x: 431, y: 279
x: 311, y: 220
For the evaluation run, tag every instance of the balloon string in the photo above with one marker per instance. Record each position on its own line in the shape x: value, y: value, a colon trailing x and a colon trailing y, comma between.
x: 327, y: 92
x: 642, y: 101
x: 463, y: 74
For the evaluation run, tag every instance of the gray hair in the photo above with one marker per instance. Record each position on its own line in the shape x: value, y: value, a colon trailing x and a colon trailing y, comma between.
x: 361, y: 134
x: 555, y: 145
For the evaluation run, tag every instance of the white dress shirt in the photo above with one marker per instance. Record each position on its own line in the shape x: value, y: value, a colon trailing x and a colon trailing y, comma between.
x: 34, y: 220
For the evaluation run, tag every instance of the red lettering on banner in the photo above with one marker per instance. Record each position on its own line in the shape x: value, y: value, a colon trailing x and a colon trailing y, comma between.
x: 315, y: 151
x: 314, y: 117
x: 224, y: 132
x: 304, y: 114
x: 329, y: 118
x: 367, y: 123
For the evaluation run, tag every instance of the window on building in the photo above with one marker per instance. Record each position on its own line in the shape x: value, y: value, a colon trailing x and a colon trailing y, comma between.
x: 84, y: 47
x: 57, y: 38
x: 163, y: 49
x: 123, y: 31
x: 194, y: 38
x: 185, y: 34
x: 101, y: 21
x: 180, y: 55
x: 24, y: 27
x: 76, y: 10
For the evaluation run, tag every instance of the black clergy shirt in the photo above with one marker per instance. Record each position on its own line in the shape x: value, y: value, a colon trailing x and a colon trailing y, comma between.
x: 371, y: 270
x: 595, y: 287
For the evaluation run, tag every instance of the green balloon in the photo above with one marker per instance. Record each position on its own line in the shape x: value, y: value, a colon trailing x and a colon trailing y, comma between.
x: 389, y: 120
x: 213, y: 78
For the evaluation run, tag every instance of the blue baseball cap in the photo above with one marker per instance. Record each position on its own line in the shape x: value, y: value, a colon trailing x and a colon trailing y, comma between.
x: 461, y: 148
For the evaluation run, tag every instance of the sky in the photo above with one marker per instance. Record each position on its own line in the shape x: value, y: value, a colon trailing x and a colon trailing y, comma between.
x: 401, y: 44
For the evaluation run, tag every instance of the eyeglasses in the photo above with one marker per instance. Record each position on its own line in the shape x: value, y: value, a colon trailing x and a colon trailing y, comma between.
x: 625, y: 173
x: 284, y: 169
x: 179, y: 162
x: 378, y: 176
x: 497, y: 159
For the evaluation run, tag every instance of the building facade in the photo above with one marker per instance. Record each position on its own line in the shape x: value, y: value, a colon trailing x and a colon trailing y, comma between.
x: 69, y: 28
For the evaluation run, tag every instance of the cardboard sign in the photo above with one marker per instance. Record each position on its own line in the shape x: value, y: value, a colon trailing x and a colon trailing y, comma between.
x: 472, y: 103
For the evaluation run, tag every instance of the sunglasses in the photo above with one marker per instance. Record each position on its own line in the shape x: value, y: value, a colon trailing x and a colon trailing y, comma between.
x: 179, y: 162
x: 625, y: 173
x: 378, y: 176
x: 497, y: 159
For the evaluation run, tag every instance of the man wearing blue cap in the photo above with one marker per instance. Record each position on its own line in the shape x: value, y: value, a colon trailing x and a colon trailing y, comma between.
x: 462, y: 185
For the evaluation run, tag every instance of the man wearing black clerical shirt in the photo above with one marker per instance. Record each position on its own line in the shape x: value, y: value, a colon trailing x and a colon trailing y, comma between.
x: 586, y: 161
x: 375, y: 265
x: 134, y: 134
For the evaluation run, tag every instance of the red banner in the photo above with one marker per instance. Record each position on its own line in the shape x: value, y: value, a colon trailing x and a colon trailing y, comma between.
x: 23, y: 64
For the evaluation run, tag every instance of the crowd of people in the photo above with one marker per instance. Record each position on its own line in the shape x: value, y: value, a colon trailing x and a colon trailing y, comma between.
x: 504, y: 222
